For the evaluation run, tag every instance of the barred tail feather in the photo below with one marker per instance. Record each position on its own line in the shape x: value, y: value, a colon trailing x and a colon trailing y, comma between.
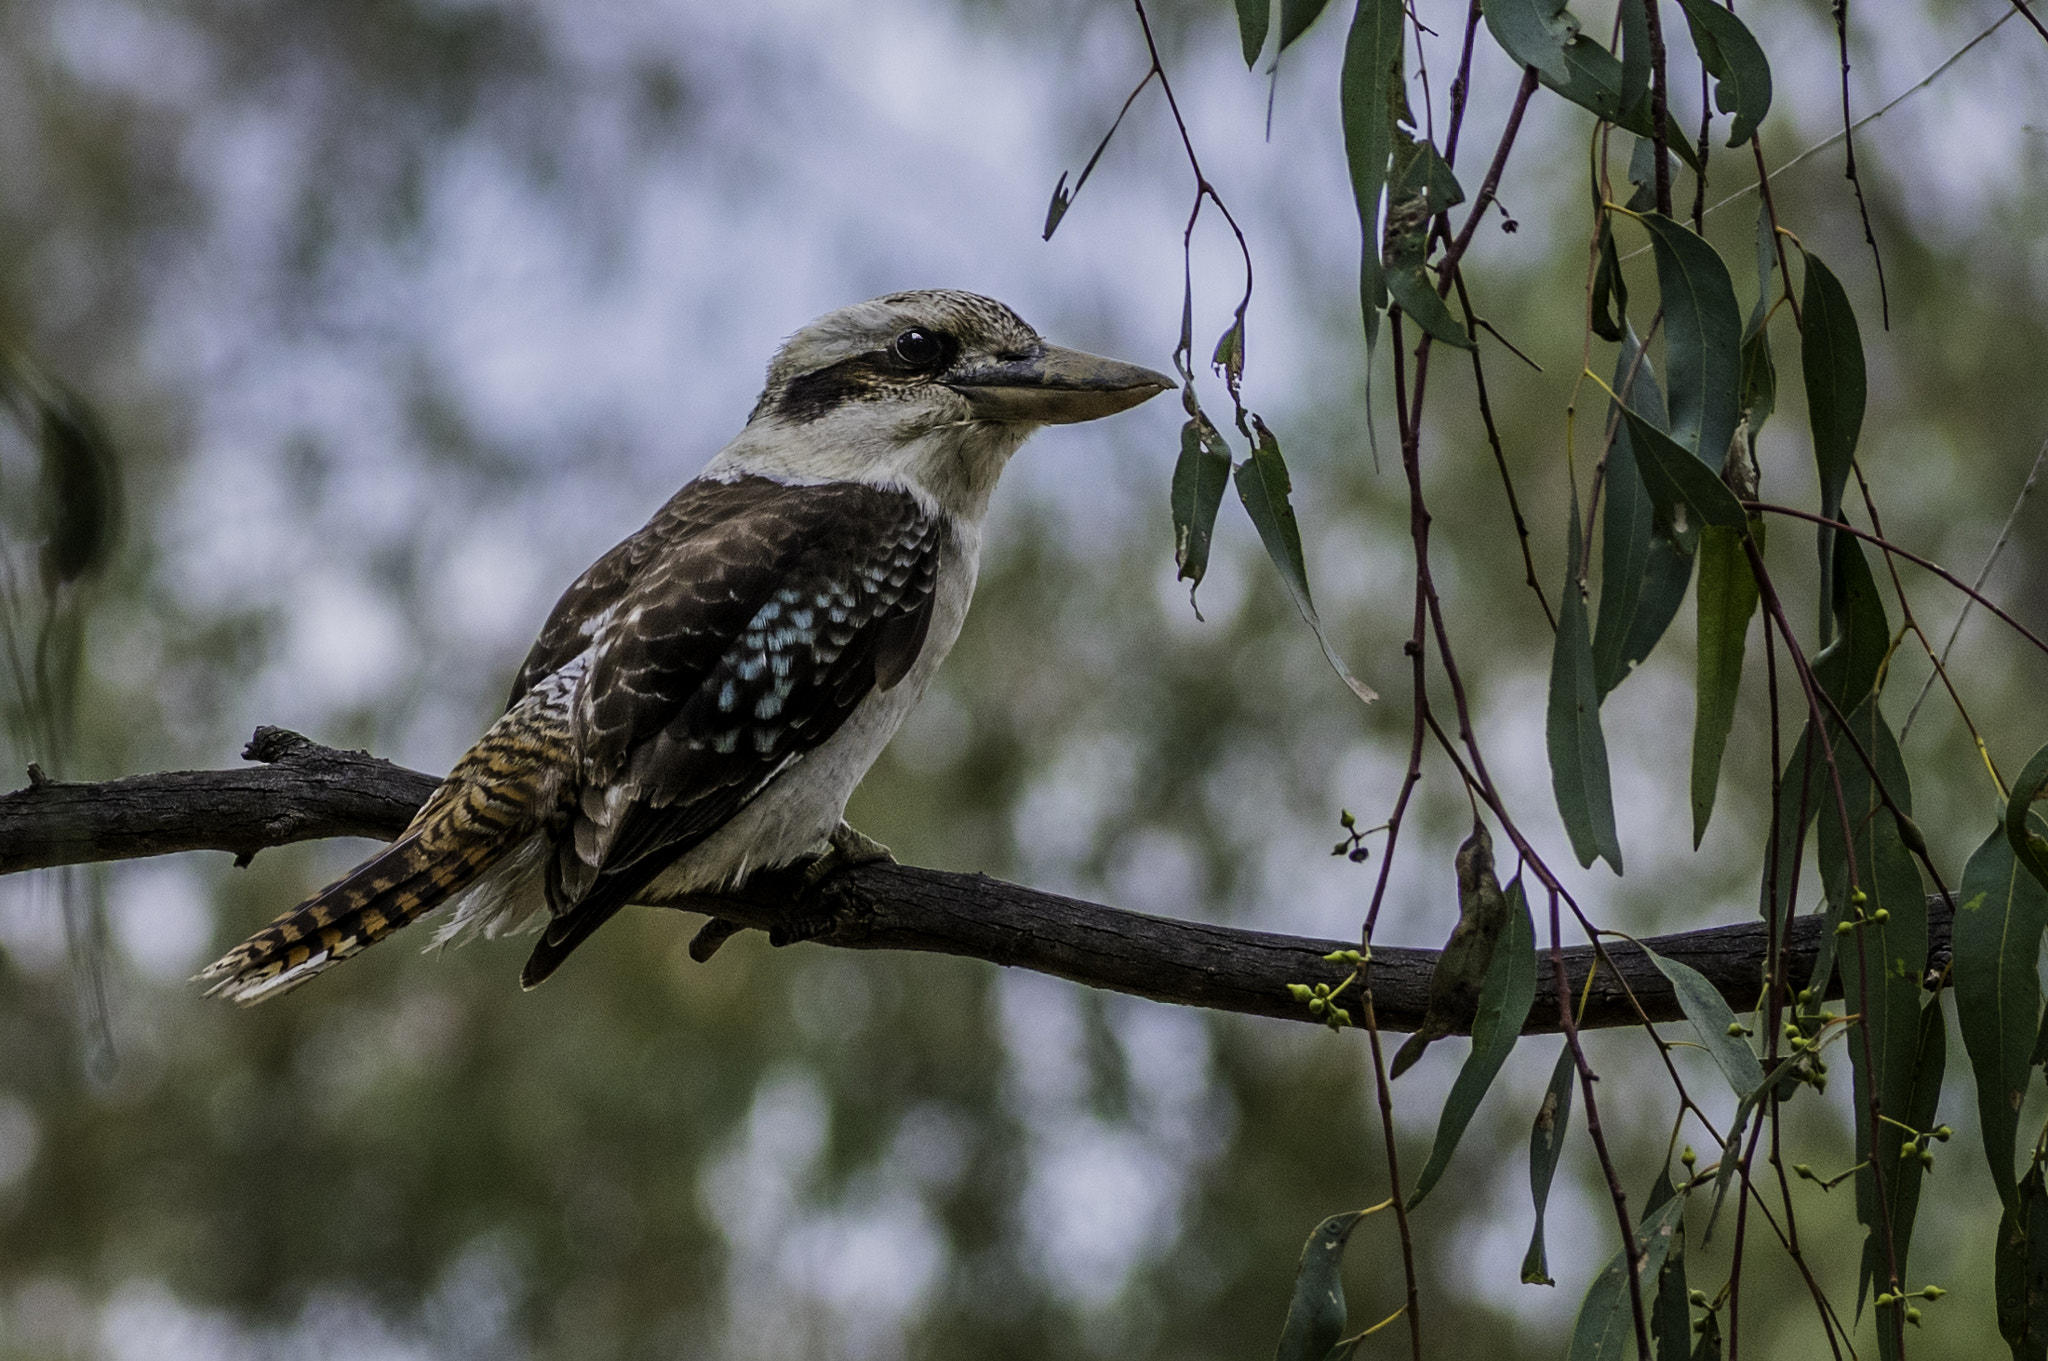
x: 407, y: 880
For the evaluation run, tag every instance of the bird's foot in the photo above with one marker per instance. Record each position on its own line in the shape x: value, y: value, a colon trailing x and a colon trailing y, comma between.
x: 813, y: 913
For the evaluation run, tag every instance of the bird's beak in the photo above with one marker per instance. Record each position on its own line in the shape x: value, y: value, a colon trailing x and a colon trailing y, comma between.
x: 1056, y: 387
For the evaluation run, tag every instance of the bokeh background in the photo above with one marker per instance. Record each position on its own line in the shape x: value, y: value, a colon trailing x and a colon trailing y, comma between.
x: 401, y: 312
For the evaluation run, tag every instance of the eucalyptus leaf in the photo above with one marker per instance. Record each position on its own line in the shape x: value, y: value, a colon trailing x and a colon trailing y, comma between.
x: 1736, y: 60
x: 1610, y: 288
x: 1635, y: 52
x: 1533, y: 32
x: 1254, y: 21
x: 1605, y: 1327
x: 1263, y: 486
x: 1199, y: 476
x: 1578, y: 750
x: 1703, y: 339
x: 1503, y: 1006
x: 1671, y: 1313
x: 1370, y: 94
x: 1848, y: 668
x: 2020, y: 1267
x: 1714, y: 1023
x: 1675, y: 479
x: 1831, y: 363
x: 1637, y: 601
x: 1726, y: 601
x: 1296, y: 17
x: 1420, y: 186
x: 2001, y: 912
x: 1546, y: 1144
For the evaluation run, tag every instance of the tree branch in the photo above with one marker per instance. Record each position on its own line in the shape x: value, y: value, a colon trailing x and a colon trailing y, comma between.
x: 299, y: 790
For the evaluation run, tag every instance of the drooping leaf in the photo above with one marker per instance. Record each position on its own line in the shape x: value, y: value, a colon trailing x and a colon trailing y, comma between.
x: 1610, y: 288
x: 2001, y: 912
x: 1831, y: 363
x: 1578, y: 750
x: 1703, y: 339
x: 1766, y: 273
x: 1714, y: 1023
x: 1420, y: 186
x: 1296, y: 17
x: 1726, y: 600
x: 1635, y: 52
x: 1605, y: 1327
x: 1199, y: 476
x: 1671, y: 1314
x: 1847, y: 669
x: 1370, y: 91
x: 1731, y: 1151
x: 1736, y: 61
x: 1682, y: 487
x: 1503, y: 1006
x: 1254, y: 21
x: 1457, y: 983
x: 1533, y: 32
x: 1902, y: 1185
x: 1595, y: 81
x: 1315, y: 1317
x: 2023, y: 825
x: 1264, y: 487
x: 1882, y: 960
x: 2021, y: 1267
x: 1798, y: 798
x: 1546, y: 1143
x: 1759, y: 382
x: 1642, y: 575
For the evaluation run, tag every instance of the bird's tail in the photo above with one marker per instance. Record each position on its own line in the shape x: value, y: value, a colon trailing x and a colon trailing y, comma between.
x: 498, y: 795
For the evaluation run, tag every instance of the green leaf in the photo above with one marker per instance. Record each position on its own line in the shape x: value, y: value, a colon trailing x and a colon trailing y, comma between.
x: 1420, y: 186
x: 1682, y: 488
x: 1847, y: 669
x: 1315, y: 1318
x: 1766, y: 273
x: 1727, y: 598
x: 1736, y: 61
x: 1458, y: 982
x: 1370, y: 93
x: 2000, y: 914
x: 1503, y: 1006
x: 2022, y: 824
x: 1635, y: 52
x: 1713, y: 1022
x: 1731, y: 1151
x: 1881, y: 962
x: 1671, y: 1314
x: 1296, y: 17
x: 1709, y: 1345
x: 1605, y: 1327
x: 2021, y: 1266
x: 1263, y: 486
x: 1254, y: 21
x: 1831, y: 362
x: 1703, y: 339
x: 1199, y: 476
x: 1902, y: 1186
x: 1546, y: 1143
x: 1798, y: 799
x: 1759, y: 382
x: 1533, y: 32
x: 1610, y: 288
x: 1595, y: 80
x: 1642, y: 575
x: 1578, y: 750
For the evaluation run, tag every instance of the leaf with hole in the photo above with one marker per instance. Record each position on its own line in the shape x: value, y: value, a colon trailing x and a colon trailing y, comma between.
x: 1420, y: 187
x: 1199, y: 476
x: 1605, y: 1327
x: 1503, y: 1005
x: 1263, y: 486
x: 1732, y: 55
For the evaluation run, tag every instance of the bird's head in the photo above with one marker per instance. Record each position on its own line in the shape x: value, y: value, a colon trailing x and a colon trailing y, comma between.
x: 931, y: 391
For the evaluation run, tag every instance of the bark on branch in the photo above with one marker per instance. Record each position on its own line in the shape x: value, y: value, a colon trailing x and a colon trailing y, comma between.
x: 298, y: 790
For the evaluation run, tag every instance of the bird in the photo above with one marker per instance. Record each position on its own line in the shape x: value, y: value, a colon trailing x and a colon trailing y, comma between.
x: 702, y: 701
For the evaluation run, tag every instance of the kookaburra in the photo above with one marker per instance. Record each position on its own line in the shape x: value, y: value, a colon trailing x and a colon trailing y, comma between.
x: 703, y: 700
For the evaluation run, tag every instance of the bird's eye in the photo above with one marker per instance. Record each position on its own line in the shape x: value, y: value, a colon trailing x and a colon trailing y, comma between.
x: 917, y: 348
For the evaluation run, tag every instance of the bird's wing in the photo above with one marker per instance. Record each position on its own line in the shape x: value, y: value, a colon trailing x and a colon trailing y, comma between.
x: 739, y: 646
